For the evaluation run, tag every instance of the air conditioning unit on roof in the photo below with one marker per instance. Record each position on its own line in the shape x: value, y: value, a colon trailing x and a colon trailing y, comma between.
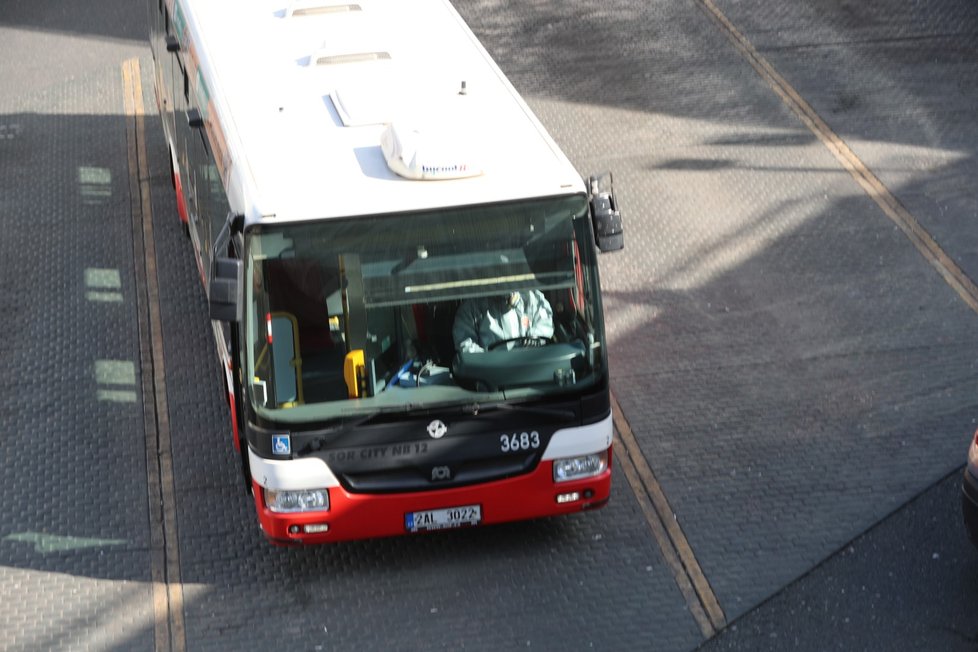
x: 428, y: 153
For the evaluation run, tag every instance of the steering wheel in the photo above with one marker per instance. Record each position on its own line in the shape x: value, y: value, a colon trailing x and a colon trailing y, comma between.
x: 524, y: 342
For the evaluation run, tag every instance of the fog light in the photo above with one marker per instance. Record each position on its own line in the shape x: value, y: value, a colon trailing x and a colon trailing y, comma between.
x: 303, y: 500
x: 585, y: 466
x: 568, y: 498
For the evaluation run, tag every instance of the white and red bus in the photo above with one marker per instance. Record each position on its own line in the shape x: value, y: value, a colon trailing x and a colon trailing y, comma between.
x: 401, y: 267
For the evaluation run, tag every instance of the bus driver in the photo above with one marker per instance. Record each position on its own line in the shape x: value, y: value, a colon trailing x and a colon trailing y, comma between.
x: 518, y: 317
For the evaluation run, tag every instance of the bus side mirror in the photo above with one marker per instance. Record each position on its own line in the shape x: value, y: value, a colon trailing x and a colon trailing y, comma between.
x: 194, y: 119
x: 605, y: 216
x: 224, y: 291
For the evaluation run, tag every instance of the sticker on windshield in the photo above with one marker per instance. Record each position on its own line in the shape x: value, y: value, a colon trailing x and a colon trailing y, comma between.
x: 281, y: 445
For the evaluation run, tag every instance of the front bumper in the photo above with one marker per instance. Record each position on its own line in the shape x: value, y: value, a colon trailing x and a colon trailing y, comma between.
x: 362, y: 516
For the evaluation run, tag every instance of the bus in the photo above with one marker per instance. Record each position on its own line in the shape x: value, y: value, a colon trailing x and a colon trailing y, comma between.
x: 400, y: 266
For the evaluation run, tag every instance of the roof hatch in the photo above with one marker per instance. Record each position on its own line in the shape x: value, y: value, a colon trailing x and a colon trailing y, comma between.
x: 359, y: 106
x: 315, y: 7
x: 324, y: 58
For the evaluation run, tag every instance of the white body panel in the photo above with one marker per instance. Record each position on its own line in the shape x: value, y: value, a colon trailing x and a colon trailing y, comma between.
x: 289, y: 155
x: 574, y: 442
x: 286, y: 475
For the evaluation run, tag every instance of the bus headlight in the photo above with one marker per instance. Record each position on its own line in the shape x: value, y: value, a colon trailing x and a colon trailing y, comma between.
x: 575, y: 468
x: 302, y: 500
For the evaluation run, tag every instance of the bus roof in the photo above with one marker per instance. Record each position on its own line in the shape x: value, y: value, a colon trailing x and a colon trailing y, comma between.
x: 300, y: 95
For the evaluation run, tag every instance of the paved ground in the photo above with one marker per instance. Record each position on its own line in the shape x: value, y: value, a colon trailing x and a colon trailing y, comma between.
x: 792, y: 367
x: 773, y: 332
x: 73, y: 536
x: 906, y: 584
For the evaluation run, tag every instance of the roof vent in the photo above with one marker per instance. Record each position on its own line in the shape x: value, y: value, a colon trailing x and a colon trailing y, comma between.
x: 315, y: 7
x: 324, y: 59
x: 358, y: 106
x: 427, y: 154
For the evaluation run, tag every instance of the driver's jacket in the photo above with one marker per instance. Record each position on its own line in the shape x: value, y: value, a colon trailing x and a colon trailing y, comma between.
x: 480, y: 323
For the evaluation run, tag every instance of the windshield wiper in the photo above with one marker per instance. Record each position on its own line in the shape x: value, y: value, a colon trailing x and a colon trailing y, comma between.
x: 473, y: 409
x: 316, y: 444
x: 564, y: 415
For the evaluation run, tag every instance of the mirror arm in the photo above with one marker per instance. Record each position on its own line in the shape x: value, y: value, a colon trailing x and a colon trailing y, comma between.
x: 605, y: 216
x: 224, y: 295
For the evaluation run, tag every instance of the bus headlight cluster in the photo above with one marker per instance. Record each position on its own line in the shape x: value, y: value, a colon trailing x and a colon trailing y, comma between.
x: 575, y: 468
x: 302, y: 500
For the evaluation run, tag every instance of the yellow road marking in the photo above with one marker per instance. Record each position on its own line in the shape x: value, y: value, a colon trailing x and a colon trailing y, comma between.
x: 662, y: 521
x: 869, y: 182
x: 169, y: 629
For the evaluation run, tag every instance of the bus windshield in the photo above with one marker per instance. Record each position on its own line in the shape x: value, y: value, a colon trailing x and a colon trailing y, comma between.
x: 422, y: 310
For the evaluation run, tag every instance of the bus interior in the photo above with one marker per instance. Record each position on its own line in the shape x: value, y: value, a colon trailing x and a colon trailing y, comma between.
x: 356, y: 310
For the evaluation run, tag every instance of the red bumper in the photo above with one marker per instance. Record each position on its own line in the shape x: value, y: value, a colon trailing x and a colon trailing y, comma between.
x: 363, y: 516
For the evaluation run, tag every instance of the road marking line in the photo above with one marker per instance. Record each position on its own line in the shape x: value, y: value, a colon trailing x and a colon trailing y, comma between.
x: 678, y: 555
x: 169, y: 634
x: 953, y: 275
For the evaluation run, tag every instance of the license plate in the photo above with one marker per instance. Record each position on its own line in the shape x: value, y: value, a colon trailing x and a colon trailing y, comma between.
x: 443, y: 519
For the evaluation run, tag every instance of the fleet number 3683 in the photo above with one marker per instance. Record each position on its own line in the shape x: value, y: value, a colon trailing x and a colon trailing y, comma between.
x: 522, y: 441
